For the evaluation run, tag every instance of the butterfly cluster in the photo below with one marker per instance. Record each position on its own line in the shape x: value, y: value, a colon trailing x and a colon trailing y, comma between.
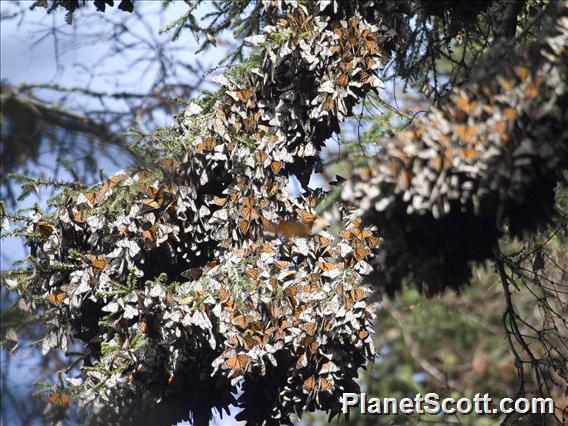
x: 442, y: 192
x: 202, y: 275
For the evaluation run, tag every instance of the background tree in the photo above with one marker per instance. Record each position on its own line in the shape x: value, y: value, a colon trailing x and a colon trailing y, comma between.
x: 198, y: 281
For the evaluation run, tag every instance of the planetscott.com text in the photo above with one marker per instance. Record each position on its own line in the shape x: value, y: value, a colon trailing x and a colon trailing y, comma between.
x: 432, y: 403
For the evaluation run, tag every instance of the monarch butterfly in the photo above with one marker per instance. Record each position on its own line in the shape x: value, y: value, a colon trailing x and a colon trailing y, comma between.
x: 276, y: 166
x: 314, y: 277
x: 143, y: 327
x: 274, y: 283
x: 464, y: 132
x: 444, y: 139
x: 263, y: 203
x: 357, y: 233
x: 281, y: 264
x: 468, y: 153
x: 78, y: 216
x: 171, y: 378
x: 310, y: 384
x: 223, y: 294
x: 501, y: 126
x: 328, y: 103
x: 522, y: 72
x: 273, y: 188
x: 532, y: 89
x: 325, y: 266
x: 98, y: 261
x: 360, y: 253
x: 465, y: 104
x: 45, y: 229
x: 145, y: 187
x: 342, y: 80
x: 302, y: 361
x: 307, y: 288
x: 307, y: 216
x: 251, y: 122
x: 56, y: 298
x: 324, y: 384
x: 59, y: 398
x: 357, y: 294
x: 105, y: 187
x: 252, y: 341
x: 372, y: 241
x: 242, y: 252
x: 207, y: 145
x: 276, y: 311
x: 238, y: 363
x: 111, y: 182
x: 298, y: 311
x: 404, y: 179
x: 243, y: 321
x: 311, y: 344
x: 505, y: 84
x: 310, y: 328
x: 346, y: 67
x: 219, y: 201
x: 437, y: 162
x: 291, y: 291
x: 153, y: 202
x: 510, y: 113
x: 91, y: 197
x: 249, y: 211
x: 244, y: 226
x: 267, y: 248
x: 252, y: 273
x: 169, y: 164
x: 233, y: 341
x: 150, y: 234
x: 168, y: 188
x: 245, y: 94
x: 144, y: 174
x: 209, y: 142
x: 261, y: 156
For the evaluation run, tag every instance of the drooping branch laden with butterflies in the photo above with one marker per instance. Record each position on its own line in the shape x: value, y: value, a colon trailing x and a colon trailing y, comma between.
x: 486, y: 162
x: 201, y: 282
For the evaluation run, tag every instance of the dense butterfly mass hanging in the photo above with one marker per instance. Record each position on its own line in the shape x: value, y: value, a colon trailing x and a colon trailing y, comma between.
x: 203, y: 275
x: 491, y: 156
x: 201, y: 283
